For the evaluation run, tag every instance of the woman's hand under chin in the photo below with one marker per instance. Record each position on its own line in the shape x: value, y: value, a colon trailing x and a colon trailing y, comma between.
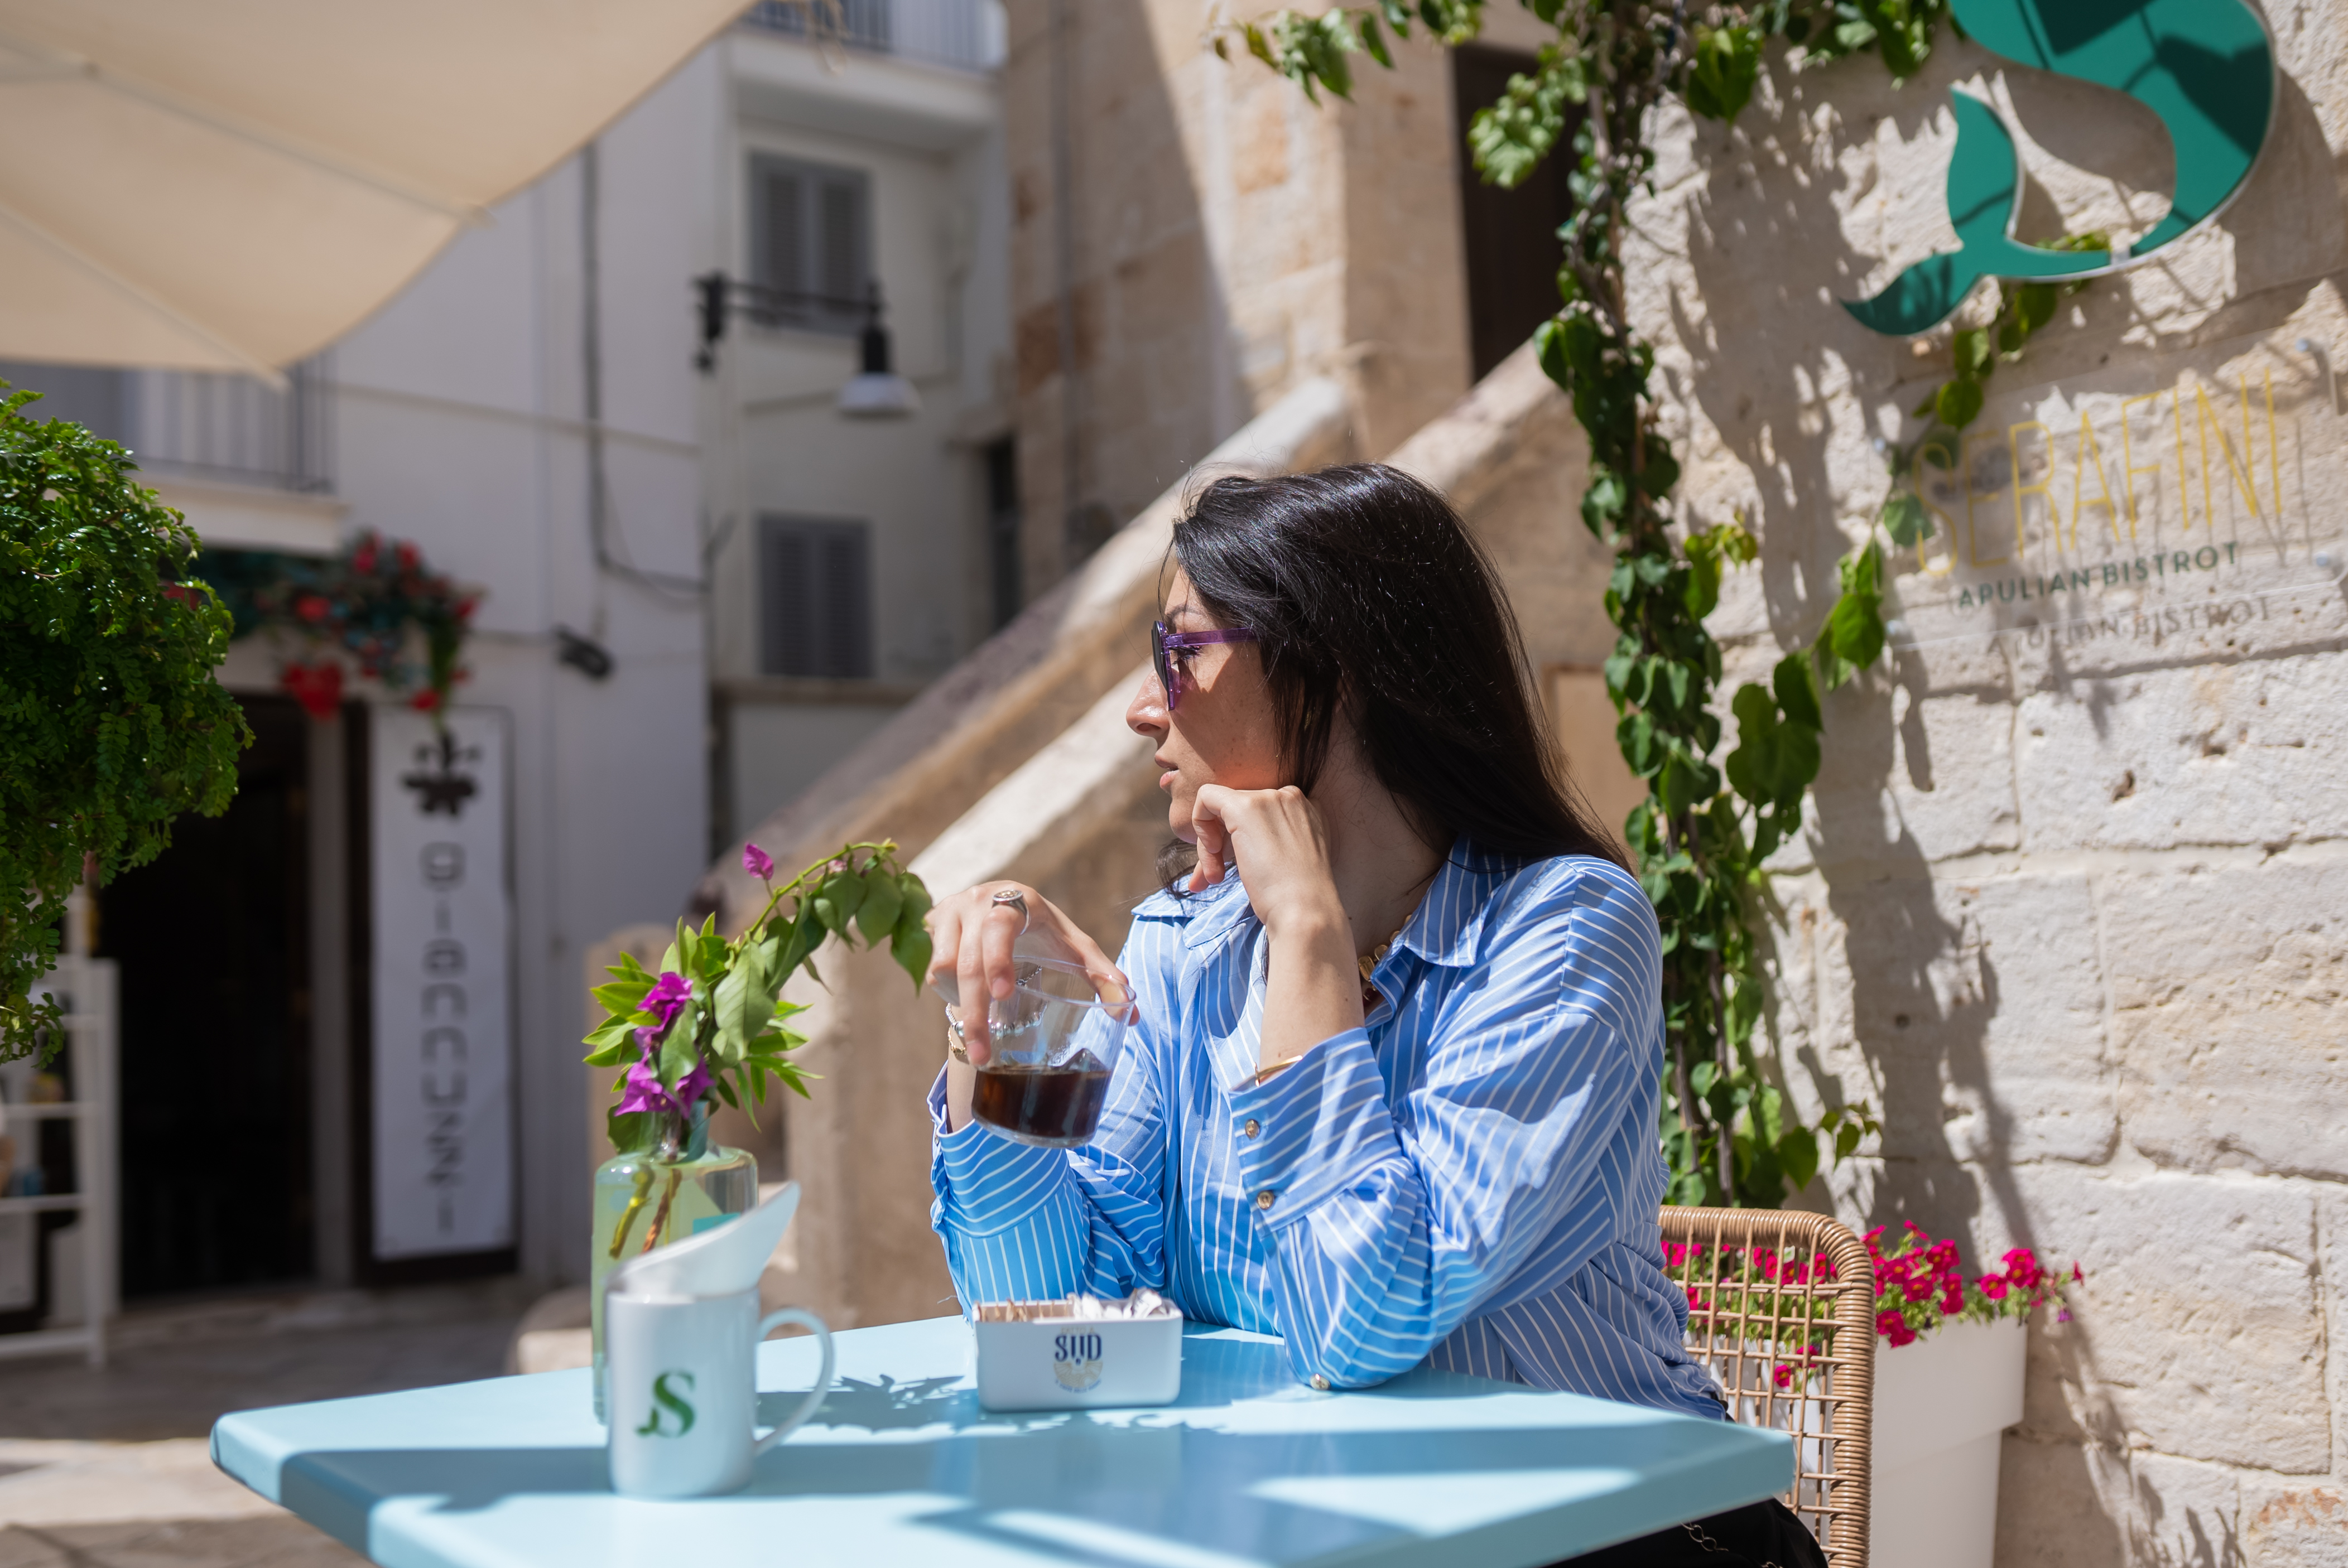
x: 1279, y: 842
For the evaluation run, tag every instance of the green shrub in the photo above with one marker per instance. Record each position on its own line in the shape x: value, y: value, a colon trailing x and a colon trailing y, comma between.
x: 112, y: 723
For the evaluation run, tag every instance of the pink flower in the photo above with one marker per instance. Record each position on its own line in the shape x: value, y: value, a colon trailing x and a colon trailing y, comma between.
x: 645, y: 1091
x: 1952, y: 1303
x: 645, y: 1094
x: 1993, y: 1288
x: 667, y: 998
x: 758, y: 862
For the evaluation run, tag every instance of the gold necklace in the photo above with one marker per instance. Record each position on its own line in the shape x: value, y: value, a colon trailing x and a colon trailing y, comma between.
x: 1369, y: 961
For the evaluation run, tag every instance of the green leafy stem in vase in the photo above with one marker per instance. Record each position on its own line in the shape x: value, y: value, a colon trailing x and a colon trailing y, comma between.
x: 710, y: 1020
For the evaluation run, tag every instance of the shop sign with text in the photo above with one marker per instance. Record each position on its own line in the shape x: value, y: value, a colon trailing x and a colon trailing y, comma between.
x: 442, y: 1093
x: 2186, y: 488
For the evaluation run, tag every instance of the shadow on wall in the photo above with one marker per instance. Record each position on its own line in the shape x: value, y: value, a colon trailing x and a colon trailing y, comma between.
x: 1968, y: 1086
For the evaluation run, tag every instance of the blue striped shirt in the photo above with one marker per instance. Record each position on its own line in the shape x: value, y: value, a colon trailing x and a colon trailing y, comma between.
x: 1471, y: 1180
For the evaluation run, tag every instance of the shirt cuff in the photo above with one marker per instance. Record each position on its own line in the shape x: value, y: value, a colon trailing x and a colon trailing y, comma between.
x: 985, y: 1183
x: 1314, y: 1128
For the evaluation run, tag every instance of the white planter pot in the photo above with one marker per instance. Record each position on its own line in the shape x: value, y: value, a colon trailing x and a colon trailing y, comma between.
x: 1940, y: 1407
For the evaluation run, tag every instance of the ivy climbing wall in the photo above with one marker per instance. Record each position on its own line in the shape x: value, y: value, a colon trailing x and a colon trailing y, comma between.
x: 2069, y: 905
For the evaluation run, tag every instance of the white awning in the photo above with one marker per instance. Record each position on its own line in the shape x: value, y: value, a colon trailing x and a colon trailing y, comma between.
x: 234, y: 184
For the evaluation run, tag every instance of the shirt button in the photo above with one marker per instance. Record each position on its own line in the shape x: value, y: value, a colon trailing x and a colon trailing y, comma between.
x: 1319, y: 1382
x: 1265, y: 1199
x: 1250, y: 1127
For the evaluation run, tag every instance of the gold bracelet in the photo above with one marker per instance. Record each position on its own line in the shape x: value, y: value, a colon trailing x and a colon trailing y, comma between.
x: 1265, y: 1075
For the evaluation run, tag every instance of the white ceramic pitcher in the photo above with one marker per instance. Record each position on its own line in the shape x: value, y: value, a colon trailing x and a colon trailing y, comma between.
x: 681, y: 1332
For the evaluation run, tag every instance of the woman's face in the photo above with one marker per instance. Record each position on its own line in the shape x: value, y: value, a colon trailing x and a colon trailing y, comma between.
x: 1225, y: 733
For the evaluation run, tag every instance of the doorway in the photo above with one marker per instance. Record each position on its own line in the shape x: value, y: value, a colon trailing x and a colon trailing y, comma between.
x: 1513, y: 251
x: 212, y: 937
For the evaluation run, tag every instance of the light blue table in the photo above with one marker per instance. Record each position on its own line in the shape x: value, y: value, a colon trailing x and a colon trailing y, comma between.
x: 901, y: 1467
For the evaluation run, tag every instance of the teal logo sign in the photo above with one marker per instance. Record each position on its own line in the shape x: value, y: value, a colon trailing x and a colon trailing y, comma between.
x: 2205, y: 66
x: 668, y: 1407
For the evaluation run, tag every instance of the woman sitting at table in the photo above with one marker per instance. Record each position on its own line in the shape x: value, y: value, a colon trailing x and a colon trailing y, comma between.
x: 1392, y: 1091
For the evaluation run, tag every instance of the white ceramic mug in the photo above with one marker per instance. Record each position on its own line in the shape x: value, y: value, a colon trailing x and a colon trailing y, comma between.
x: 682, y: 1390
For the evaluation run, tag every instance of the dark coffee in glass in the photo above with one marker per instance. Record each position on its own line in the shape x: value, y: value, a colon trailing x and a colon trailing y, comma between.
x: 1059, y: 1105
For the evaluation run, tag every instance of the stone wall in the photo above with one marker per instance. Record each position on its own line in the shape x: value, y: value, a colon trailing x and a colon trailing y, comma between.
x: 2068, y: 910
x: 1222, y: 242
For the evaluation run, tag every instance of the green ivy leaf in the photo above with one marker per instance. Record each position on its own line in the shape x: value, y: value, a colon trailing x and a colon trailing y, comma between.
x: 1773, y: 761
x: 1956, y: 404
x: 1659, y: 470
x: 1796, y: 693
x: 1798, y: 1156
x: 1855, y: 630
x: 1726, y: 63
x: 1970, y: 350
x: 1684, y: 782
x: 1604, y: 502
x: 1904, y: 518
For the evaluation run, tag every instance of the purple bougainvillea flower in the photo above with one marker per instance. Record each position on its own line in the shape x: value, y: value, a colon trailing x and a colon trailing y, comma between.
x: 668, y: 996
x: 758, y: 862
x: 645, y: 1093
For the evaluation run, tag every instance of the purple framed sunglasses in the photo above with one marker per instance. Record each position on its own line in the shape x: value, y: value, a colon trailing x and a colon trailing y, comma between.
x: 1164, y: 645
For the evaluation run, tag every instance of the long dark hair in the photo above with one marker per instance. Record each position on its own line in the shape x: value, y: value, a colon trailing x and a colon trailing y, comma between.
x: 1372, y: 603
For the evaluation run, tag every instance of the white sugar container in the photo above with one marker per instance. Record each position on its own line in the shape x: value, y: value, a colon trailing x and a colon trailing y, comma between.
x: 1065, y: 1356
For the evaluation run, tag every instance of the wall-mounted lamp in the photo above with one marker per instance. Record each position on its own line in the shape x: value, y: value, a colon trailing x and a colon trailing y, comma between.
x: 876, y: 392
x: 584, y: 654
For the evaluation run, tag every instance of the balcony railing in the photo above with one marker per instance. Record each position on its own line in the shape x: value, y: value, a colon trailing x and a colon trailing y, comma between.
x: 230, y: 429
x: 960, y: 35
x: 234, y: 429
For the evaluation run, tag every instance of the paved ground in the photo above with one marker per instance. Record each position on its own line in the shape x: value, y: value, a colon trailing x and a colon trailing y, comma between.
x: 109, y: 1466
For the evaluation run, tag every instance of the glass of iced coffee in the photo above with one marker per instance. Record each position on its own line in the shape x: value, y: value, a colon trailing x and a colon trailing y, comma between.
x: 1053, y: 1043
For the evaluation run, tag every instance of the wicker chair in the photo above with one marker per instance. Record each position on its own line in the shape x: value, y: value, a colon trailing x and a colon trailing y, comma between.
x: 1793, y: 1349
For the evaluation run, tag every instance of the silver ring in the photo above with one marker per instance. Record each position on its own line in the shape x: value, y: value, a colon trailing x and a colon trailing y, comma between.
x: 1012, y: 899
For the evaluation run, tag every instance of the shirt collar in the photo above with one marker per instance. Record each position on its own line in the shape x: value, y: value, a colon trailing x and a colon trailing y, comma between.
x: 1445, y: 928
x: 1448, y: 924
x: 1213, y: 913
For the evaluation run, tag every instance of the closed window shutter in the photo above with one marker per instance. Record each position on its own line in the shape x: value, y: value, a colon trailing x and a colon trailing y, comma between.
x: 816, y: 592
x: 785, y: 261
x: 847, y: 640
x: 840, y: 231
x: 786, y: 613
x: 811, y: 240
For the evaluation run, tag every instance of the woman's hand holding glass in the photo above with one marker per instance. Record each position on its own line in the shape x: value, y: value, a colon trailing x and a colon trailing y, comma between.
x: 971, y: 935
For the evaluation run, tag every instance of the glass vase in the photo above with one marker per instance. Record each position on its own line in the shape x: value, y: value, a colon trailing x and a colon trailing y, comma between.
x: 682, y: 1185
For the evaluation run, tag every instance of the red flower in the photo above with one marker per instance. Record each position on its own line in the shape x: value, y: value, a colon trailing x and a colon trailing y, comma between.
x: 1783, y: 1376
x: 1993, y: 1288
x: 408, y: 558
x: 317, y: 687
x: 311, y: 608
x: 424, y: 701
x: 363, y: 557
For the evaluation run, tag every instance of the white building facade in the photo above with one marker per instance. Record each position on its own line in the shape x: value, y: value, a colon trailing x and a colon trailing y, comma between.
x: 532, y: 415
